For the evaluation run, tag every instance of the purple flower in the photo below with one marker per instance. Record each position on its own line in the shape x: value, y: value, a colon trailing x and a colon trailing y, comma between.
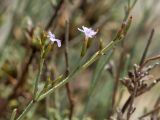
x: 53, y: 38
x: 89, y: 32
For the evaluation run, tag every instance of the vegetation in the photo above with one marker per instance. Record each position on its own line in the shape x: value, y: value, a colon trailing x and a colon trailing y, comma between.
x: 79, y: 60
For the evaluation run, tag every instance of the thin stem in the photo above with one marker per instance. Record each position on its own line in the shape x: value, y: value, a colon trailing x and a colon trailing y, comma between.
x: 78, y: 69
x: 151, y: 59
x: 131, y: 102
x: 147, y: 47
x: 101, y: 63
x: 66, y: 47
x: 38, y: 76
x: 26, y: 110
x: 22, y: 76
x: 13, y: 116
x: 117, y: 81
x: 126, y: 104
x: 149, y: 113
x: 54, y: 15
x: 154, y: 115
x: 71, y: 102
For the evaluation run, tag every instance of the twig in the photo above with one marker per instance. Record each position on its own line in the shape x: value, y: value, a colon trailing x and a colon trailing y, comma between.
x: 66, y: 47
x: 26, y: 110
x: 141, y: 62
x: 21, y: 79
x: 131, y: 102
x: 155, y: 114
x: 151, y: 59
x: 117, y: 81
x: 155, y: 110
x: 125, y: 106
x: 147, y: 47
x: 54, y: 15
x: 41, y: 64
x: 149, y: 87
x: 71, y: 102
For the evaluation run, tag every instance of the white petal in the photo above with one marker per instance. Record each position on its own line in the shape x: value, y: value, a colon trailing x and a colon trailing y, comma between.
x: 58, y: 42
x: 94, y: 33
x: 50, y: 34
x: 85, y: 28
x: 80, y: 30
x: 52, y: 39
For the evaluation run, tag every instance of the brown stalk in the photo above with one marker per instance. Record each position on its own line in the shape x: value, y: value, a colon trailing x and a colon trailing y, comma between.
x: 71, y: 102
x: 138, y: 94
x: 154, y: 115
x: 131, y: 103
x: 142, y: 63
x: 54, y: 15
x: 22, y: 77
x: 147, y: 47
x: 151, y: 112
x: 117, y: 81
x: 151, y: 59
x: 118, y: 69
x: 149, y: 87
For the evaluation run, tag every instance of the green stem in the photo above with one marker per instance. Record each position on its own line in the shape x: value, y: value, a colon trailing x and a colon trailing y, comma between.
x: 38, y: 76
x: 64, y: 81
x: 78, y: 69
x: 26, y: 110
x: 14, y: 114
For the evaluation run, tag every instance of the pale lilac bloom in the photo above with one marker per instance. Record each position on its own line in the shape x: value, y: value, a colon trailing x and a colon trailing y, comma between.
x: 89, y: 32
x: 53, y: 38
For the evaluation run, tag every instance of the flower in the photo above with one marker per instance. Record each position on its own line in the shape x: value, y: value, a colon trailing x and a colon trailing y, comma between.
x: 52, y: 38
x: 89, y: 32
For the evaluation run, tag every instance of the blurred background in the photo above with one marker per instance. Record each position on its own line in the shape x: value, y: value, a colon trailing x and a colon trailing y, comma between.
x: 92, y: 89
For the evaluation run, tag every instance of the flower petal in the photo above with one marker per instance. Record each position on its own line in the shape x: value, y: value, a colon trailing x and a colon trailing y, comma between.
x: 93, y: 33
x: 52, y: 39
x: 51, y: 35
x: 85, y: 28
x: 58, y: 42
x: 80, y: 30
